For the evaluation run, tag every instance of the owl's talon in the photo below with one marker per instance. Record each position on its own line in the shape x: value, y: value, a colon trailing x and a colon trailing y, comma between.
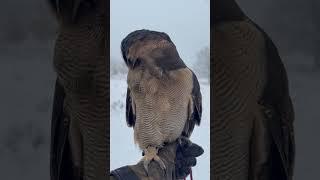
x: 146, y: 166
x: 161, y: 163
x: 151, y: 154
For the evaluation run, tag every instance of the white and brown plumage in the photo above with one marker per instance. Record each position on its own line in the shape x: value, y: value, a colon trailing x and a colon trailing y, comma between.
x: 163, y: 95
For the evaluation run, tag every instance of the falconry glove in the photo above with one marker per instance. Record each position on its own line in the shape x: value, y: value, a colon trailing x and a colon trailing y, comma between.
x: 178, y: 157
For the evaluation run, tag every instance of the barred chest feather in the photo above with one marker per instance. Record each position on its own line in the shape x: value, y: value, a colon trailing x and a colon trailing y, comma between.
x: 161, y: 106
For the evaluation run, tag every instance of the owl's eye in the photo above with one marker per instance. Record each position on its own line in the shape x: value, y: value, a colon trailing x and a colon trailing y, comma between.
x: 136, y: 63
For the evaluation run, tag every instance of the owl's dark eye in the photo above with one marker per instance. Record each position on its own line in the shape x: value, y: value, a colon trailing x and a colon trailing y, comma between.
x: 136, y: 63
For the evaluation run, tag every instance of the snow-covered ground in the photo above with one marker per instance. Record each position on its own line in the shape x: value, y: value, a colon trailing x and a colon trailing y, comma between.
x: 123, y: 151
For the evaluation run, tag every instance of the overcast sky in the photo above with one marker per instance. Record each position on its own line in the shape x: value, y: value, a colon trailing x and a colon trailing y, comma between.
x: 187, y: 22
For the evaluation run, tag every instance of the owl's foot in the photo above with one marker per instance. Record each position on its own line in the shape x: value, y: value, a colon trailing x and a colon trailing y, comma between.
x: 151, y: 153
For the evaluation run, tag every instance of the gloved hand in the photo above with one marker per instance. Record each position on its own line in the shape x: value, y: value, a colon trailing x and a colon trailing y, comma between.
x: 186, y: 157
x: 178, y: 158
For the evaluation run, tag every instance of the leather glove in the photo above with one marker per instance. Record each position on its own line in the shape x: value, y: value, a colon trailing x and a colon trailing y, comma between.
x: 186, y: 157
x: 178, y: 158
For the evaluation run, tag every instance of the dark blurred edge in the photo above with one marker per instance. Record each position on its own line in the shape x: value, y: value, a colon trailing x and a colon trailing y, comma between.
x: 211, y: 87
x: 108, y: 74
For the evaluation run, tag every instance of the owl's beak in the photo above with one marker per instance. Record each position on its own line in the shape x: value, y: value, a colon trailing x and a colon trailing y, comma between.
x: 134, y: 63
x: 131, y: 63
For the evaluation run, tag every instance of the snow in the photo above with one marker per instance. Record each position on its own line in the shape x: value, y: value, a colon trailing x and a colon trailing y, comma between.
x: 123, y: 151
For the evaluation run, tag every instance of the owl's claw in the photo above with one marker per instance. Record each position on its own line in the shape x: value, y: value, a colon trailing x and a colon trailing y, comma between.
x: 146, y: 165
x: 151, y: 154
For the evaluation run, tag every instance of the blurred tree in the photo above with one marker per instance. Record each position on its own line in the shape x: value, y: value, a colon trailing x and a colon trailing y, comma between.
x: 117, y: 67
x: 202, y: 63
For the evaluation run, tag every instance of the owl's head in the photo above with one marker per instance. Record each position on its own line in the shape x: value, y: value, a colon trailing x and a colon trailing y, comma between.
x: 150, y: 50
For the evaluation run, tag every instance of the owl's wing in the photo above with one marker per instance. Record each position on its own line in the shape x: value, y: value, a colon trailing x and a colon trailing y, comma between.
x: 277, y: 101
x: 60, y: 159
x: 195, y: 108
x: 130, y: 110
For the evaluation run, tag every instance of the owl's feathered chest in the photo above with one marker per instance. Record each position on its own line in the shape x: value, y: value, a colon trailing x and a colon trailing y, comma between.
x: 161, y: 106
x: 174, y: 87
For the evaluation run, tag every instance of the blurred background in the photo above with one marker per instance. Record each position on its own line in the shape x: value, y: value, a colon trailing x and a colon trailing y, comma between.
x: 294, y: 26
x: 187, y: 22
x: 27, y: 32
